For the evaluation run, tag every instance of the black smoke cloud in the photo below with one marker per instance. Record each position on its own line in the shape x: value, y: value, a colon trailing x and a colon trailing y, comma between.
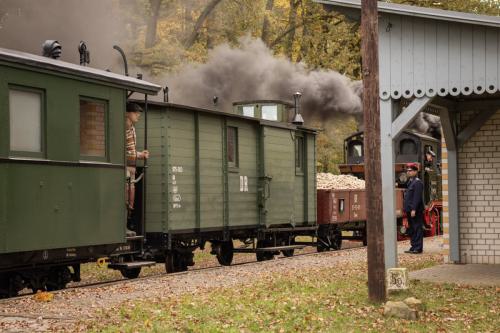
x: 251, y: 72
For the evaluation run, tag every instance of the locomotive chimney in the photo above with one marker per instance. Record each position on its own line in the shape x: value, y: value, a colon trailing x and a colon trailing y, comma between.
x: 52, y: 49
x: 84, y: 54
x: 165, y: 94
x: 297, y: 119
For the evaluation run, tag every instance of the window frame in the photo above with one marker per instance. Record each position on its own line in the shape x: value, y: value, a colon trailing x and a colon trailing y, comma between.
x: 90, y: 158
x: 262, y: 106
x: 299, y: 149
x: 43, y: 132
x: 233, y: 166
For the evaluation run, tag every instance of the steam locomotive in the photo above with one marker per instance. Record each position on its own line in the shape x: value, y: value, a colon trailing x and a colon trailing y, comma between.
x: 342, y: 213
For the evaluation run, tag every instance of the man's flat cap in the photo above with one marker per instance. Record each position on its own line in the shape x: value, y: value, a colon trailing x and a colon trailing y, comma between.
x: 134, y: 107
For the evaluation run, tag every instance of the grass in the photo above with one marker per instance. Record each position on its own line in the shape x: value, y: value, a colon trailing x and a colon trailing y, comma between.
x: 316, y: 300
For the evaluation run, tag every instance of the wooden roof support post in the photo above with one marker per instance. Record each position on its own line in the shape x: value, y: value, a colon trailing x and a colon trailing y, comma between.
x: 388, y: 110
x: 451, y: 179
x: 371, y: 110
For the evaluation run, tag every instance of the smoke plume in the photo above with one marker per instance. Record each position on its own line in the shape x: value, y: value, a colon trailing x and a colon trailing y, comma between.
x: 251, y: 72
x: 427, y: 124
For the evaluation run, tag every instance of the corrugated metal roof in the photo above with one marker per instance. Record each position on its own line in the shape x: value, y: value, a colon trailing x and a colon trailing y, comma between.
x: 422, y: 12
x: 59, y: 66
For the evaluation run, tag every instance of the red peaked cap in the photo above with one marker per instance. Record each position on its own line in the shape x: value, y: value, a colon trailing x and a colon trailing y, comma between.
x: 412, y: 166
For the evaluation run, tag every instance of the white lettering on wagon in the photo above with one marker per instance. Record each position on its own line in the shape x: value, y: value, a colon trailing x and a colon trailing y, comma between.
x: 243, y: 183
x: 176, y: 196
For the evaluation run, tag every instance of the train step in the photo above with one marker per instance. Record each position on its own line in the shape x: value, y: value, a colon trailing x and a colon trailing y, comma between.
x: 306, y: 243
x: 269, y: 249
x: 131, y: 264
x: 134, y: 238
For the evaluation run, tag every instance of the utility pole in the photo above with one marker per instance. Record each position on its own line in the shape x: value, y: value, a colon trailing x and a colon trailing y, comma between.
x: 373, y: 173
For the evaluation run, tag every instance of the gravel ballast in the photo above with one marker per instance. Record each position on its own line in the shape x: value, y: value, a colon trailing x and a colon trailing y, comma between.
x: 70, y: 307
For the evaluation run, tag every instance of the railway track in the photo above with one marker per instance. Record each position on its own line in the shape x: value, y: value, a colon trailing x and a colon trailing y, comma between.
x: 158, y: 275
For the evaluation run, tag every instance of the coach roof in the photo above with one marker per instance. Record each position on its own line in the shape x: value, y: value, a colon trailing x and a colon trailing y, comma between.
x: 36, y: 62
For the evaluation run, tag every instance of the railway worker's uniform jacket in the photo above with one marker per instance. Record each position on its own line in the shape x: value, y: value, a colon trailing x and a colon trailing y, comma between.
x: 413, y: 200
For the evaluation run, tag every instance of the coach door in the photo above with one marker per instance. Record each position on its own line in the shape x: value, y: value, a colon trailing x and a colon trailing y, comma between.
x: 277, y: 176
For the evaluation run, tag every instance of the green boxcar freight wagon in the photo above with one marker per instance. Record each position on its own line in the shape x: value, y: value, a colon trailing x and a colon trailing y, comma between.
x: 61, y: 167
x: 216, y: 177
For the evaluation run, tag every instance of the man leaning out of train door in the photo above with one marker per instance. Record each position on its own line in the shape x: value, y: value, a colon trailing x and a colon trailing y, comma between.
x: 132, y: 117
x: 414, y: 208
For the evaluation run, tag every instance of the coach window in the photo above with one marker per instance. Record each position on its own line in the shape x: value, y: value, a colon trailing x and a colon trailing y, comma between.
x: 232, y: 147
x: 26, y: 122
x: 407, y: 147
x: 93, y: 129
x: 249, y: 111
x: 356, y: 149
x: 299, y: 155
x: 270, y: 112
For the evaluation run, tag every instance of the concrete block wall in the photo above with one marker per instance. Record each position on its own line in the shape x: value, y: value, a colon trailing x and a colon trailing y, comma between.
x: 479, y: 193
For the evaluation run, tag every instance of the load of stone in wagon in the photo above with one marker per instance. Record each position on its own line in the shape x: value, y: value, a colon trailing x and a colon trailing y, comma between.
x: 329, y: 181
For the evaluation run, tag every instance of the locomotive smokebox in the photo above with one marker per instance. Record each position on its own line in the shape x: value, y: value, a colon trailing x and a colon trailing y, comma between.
x: 52, y: 49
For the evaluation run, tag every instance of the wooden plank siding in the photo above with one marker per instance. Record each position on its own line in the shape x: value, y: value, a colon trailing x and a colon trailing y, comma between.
x: 279, y: 164
x: 213, y: 195
x: 424, y: 57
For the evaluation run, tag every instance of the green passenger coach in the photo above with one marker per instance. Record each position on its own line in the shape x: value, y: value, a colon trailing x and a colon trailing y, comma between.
x: 216, y: 177
x: 61, y: 168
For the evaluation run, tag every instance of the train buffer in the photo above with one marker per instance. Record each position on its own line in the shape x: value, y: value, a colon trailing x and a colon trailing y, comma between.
x: 269, y: 249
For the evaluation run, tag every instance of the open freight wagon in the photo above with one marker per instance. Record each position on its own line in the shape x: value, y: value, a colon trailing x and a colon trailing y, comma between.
x: 345, y: 210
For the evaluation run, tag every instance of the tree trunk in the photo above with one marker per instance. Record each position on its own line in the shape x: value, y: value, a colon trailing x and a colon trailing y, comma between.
x: 199, y: 23
x: 267, y: 25
x: 292, y: 22
x: 152, y: 23
x: 304, y: 44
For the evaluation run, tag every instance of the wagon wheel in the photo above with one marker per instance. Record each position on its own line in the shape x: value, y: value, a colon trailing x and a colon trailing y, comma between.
x: 131, y: 273
x: 323, y: 243
x: 286, y: 242
x: 174, y: 263
x: 436, y: 227
x: 335, y: 239
x: 5, y: 287
x: 224, y: 253
x: 58, y: 278
x: 262, y: 256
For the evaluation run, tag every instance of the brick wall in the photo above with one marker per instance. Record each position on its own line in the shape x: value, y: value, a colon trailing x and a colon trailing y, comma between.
x: 92, y: 129
x: 479, y: 193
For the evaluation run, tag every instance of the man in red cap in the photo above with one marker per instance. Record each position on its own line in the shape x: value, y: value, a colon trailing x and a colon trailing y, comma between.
x: 414, y: 208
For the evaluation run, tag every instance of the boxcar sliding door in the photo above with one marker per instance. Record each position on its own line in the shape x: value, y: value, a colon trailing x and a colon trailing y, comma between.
x: 277, y: 160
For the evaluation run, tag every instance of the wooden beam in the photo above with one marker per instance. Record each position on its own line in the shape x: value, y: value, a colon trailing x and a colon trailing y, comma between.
x: 373, y: 176
x: 443, y: 103
x: 475, y: 125
x: 409, y: 114
x: 446, y: 116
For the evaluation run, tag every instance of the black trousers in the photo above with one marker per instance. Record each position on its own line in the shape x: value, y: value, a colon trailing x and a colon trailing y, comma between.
x: 416, y: 231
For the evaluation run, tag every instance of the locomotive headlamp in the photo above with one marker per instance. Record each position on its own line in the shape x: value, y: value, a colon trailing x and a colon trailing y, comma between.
x: 297, y: 119
x: 402, y: 178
